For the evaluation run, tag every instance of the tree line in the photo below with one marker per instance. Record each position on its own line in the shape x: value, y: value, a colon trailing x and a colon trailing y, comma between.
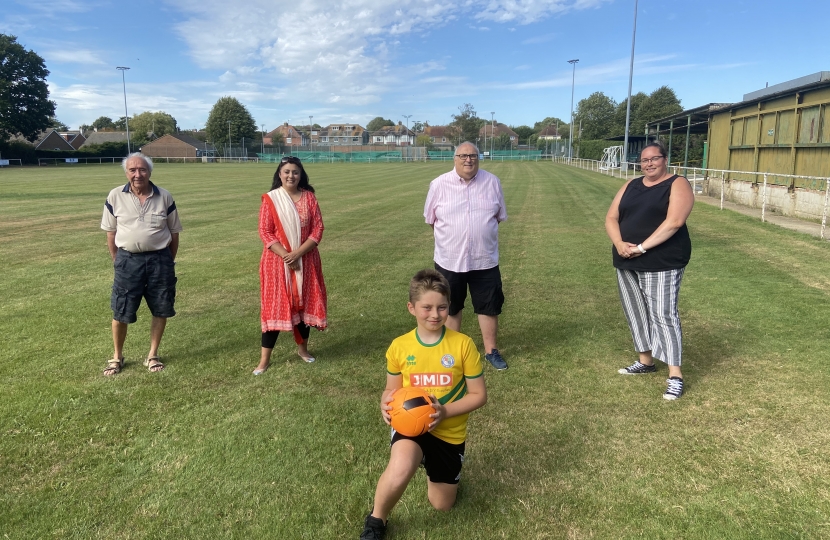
x: 25, y: 110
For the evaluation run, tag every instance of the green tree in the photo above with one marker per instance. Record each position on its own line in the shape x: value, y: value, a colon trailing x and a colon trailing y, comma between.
x: 160, y: 123
x: 424, y: 141
x: 596, y: 113
x: 25, y: 107
x: 549, y: 121
x: 120, y: 124
x: 502, y: 142
x: 58, y: 125
x: 465, y: 125
x: 636, y: 122
x: 660, y: 103
x: 229, y: 109
x: 377, y: 123
x: 103, y: 122
x: 524, y: 133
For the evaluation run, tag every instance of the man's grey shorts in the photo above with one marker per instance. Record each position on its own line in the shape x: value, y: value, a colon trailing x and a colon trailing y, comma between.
x: 150, y: 275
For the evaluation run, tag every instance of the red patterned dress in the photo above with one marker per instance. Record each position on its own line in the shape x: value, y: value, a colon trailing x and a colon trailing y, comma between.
x: 283, y: 309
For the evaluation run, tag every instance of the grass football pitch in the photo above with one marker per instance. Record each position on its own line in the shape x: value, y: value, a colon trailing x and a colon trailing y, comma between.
x: 565, y: 448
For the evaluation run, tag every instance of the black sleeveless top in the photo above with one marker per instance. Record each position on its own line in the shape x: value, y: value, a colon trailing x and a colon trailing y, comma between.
x: 642, y: 209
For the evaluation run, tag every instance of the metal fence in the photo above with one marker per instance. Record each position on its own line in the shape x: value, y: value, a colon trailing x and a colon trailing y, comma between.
x: 698, y: 176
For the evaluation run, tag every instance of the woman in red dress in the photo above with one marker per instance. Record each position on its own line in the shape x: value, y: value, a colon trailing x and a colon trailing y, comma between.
x: 292, y: 290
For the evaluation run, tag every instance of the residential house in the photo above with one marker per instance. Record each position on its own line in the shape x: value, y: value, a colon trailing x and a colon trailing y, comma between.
x: 178, y: 145
x: 340, y: 135
x: 550, y: 133
x: 438, y: 136
x: 398, y: 135
x: 291, y: 136
x: 489, y: 131
x: 60, y: 141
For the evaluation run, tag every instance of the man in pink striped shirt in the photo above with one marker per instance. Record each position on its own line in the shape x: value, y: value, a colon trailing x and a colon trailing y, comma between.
x: 464, y: 208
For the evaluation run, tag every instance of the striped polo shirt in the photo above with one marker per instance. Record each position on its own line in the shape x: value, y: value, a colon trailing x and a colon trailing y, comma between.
x: 466, y: 217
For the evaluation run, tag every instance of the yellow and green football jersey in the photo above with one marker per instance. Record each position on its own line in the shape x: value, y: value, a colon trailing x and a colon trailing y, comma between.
x: 440, y: 368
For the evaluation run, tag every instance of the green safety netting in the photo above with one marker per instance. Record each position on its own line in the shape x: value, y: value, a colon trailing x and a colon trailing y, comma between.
x: 335, y: 157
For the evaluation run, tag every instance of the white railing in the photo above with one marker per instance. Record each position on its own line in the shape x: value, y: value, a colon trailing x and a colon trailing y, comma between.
x: 697, y: 176
x: 165, y: 159
x: 7, y: 162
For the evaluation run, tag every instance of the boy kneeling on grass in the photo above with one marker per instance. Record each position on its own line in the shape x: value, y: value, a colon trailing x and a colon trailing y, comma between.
x: 446, y: 364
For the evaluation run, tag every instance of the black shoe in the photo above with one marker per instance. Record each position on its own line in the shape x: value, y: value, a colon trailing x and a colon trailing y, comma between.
x: 373, y: 529
x: 637, y: 368
x: 674, y: 388
x: 494, y: 357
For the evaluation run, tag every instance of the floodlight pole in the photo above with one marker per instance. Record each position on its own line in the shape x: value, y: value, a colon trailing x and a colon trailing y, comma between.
x: 573, y: 83
x: 122, y: 69
x: 407, y: 116
x: 492, y: 131
x: 630, y: 78
x: 229, y: 137
x: 263, y: 138
x: 310, y: 131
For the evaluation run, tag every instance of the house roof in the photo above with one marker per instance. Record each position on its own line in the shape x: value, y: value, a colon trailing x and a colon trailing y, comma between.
x: 549, y: 131
x: 399, y: 130
x: 500, y: 129
x: 354, y: 130
x: 101, y: 137
x: 436, y: 131
x: 286, y: 130
x: 187, y: 139
x: 53, y: 141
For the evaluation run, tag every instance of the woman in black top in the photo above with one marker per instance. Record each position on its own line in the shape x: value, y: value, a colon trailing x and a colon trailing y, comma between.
x: 647, y: 225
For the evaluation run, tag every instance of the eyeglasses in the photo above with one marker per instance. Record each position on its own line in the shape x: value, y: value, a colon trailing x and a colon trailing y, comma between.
x: 655, y: 159
x: 465, y: 157
x: 291, y: 159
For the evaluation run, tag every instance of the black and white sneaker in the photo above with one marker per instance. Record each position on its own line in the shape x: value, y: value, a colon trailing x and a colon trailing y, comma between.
x: 373, y: 529
x: 637, y: 368
x: 674, y: 389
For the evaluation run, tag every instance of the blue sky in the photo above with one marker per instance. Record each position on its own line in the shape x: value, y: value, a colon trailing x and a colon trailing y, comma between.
x: 353, y: 60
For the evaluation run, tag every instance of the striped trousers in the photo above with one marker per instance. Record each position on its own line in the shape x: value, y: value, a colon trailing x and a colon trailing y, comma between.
x: 649, y: 300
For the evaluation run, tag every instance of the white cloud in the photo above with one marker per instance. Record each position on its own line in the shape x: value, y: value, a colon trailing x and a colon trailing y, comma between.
x: 536, y: 40
x: 327, y: 50
x: 73, y: 56
x: 648, y: 64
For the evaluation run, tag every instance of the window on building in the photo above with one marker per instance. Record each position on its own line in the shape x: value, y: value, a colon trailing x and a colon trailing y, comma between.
x: 288, y: 140
x: 324, y: 139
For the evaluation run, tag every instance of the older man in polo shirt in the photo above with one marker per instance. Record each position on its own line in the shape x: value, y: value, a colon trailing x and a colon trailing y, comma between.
x: 142, y: 226
x: 464, y: 208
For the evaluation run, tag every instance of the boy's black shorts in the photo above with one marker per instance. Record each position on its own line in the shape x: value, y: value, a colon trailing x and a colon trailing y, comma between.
x: 485, y: 290
x: 442, y: 460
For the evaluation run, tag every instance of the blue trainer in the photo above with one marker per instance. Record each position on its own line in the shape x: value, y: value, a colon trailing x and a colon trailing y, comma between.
x: 495, y: 358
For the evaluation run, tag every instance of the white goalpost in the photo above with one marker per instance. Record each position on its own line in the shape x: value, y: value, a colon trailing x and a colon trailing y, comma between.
x: 611, y: 158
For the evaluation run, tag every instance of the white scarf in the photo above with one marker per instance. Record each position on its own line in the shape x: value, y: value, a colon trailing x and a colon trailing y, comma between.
x: 290, y: 220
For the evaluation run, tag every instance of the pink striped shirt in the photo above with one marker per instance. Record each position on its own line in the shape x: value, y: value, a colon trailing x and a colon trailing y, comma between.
x: 466, y: 217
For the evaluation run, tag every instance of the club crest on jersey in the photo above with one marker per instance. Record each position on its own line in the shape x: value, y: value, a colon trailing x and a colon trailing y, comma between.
x: 430, y: 380
x: 410, y: 360
x: 447, y: 361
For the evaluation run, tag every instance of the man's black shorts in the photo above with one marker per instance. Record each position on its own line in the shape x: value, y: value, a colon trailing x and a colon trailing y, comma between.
x: 485, y: 290
x: 149, y: 275
x: 442, y: 460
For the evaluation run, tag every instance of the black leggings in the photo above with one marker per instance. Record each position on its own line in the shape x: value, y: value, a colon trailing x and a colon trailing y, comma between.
x: 269, y: 338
